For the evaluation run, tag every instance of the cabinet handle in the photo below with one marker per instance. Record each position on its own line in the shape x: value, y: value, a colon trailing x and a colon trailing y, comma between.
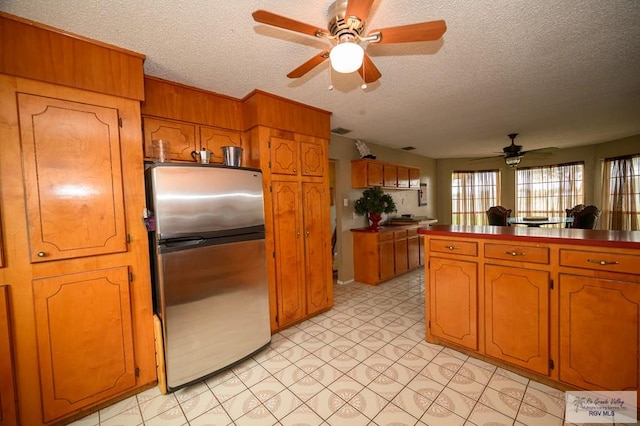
x: 515, y: 253
x: 298, y: 234
x: 451, y: 247
x: 295, y: 170
x: 602, y: 262
x: 307, y: 233
x: 42, y: 254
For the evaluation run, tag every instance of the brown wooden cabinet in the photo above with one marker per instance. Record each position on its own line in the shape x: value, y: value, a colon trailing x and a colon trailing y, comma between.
x: 8, y: 408
x: 384, y: 254
x: 296, y: 177
x: 366, y: 173
x: 562, y: 310
x: 516, y: 306
x: 453, y: 292
x: 77, y: 260
x: 188, y: 137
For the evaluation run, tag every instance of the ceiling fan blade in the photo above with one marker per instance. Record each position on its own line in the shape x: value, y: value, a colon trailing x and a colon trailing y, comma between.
x: 358, y: 8
x: 424, y: 31
x: 371, y: 72
x: 269, y: 18
x: 547, y: 150
x: 309, y: 65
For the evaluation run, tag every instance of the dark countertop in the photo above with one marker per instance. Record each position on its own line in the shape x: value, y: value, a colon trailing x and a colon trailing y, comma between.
x: 585, y: 237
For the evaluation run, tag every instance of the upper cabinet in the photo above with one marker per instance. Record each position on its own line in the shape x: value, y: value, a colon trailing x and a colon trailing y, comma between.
x: 190, y: 119
x: 289, y: 157
x: 366, y: 173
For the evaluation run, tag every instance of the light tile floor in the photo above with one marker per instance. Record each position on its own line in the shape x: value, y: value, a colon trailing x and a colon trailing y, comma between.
x: 364, y: 362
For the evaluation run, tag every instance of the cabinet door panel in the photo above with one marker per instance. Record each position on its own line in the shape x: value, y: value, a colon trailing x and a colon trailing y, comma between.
x: 387, y: 259
x: 517, y: 316
x: 287, y: 238
x: 403, y: 177
x: 85, y: 342
x: 8, y: 409
x: 453, y: 297
x: 599, y: 317
x: 284, y: 156
x: 181, y: 135
x: 316, y: 252
x: 375, y: 174
x: 414, y: 177
x: 73, y: 178
x: 413, y: 252
x: 313, y: 159
x: 214, y: 139
x: 401, y: 256
x: 390, y: 176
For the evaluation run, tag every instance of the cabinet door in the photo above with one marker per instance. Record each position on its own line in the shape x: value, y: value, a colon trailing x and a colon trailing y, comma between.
x: 375, y: 174
x: 517, y: 316
x: 401, y: 256
x: 414, y: 177
x: 316, y: 246
x: 390, y: 176
x: 413, y: 252
x: 85, y: 342
x: 312, y: 159
x: 181, y: 135
x: 8, y: 409
x: 289, y: 249
x: 284, y: 156
x: 453, y: 299
x: 599, y: 318
x: 403, y: 177
x: 387, y: 259
x: 214, y: 139
x: 72, y: 177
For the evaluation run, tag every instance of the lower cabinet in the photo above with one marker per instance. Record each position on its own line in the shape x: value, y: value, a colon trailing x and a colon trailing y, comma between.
x: 386, y: 253
x: 516, y: 304
x: 601, y: 318
x: 84, y: 328
x: 566, y: 314
x: 8, y: 409
x: 300, y: 238
x: 453, y: 294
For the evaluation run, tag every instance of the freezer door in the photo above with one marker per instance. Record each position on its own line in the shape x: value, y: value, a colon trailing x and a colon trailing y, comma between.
x: 194, y: 200
x: 214, y: 307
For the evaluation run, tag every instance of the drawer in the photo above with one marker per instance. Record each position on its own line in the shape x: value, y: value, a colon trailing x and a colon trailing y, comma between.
x: 467, y: 248
x: 610, y: 262
x: 384, y: 236
x: 412, y: 232
x: 400, y: 234
x: 517, y: 253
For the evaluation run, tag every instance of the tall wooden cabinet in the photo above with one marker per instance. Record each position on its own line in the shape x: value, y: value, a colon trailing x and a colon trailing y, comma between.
x: 8, y: 406
x: 72, y: 196
x: 289, y: 143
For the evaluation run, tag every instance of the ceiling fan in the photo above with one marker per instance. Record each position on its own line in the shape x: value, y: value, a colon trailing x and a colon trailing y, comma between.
x: 346, y: 26
x: 513, y: 153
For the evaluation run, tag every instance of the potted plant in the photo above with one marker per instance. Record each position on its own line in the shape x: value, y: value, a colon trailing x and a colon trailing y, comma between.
x: 373, y: 203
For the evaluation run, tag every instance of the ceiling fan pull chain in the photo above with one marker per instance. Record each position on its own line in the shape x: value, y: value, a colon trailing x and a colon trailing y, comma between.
x: 330, y: 79
x: 364, y: 82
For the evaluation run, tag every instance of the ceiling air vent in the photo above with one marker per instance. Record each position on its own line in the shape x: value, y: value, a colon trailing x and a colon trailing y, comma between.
x: 340, y: 131
x: 408, y: 148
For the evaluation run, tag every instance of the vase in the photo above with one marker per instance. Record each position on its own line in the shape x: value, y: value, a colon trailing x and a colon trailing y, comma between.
x: 374, y: 218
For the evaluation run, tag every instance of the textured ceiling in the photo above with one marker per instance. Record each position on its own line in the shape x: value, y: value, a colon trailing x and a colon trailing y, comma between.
x: 560, y: 73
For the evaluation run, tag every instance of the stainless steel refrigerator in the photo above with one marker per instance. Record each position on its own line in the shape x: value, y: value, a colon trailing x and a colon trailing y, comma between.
x: 208, y: 266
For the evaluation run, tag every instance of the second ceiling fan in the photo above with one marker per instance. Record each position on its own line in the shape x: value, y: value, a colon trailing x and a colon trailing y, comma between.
x: 346, y: 25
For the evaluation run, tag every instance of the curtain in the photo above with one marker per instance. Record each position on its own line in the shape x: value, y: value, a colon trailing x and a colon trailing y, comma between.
x: 549, y: 190
x: 472, y: 193
x: 621, y: 194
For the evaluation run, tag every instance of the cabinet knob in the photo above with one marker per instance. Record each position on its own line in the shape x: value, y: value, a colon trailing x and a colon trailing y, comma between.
x: 306, y: 170
x: 42, y: 254
x: 298, y: 234
x: 602, y: 262
x: 515, y: 253
x: 451, y: 247
x: 295, y: 170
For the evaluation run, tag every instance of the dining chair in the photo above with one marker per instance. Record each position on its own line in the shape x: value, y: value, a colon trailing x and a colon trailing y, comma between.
x: 572, y: 211
x: 498, y: 215
x: 586, y: 218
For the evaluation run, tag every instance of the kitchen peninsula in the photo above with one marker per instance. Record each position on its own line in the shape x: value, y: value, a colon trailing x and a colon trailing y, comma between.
x: 558, y: 305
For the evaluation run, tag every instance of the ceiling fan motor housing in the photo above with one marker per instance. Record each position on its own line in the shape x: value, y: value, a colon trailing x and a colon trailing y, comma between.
x: 339, y: 25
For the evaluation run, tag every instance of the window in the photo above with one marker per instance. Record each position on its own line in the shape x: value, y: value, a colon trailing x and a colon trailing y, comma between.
x: 621, y: 194
x: 472, y: 193
x: 549, y: 190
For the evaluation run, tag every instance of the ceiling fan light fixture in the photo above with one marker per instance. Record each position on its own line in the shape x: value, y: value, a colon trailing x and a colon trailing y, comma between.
x: 346, y: 57
x: 513, y: 161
